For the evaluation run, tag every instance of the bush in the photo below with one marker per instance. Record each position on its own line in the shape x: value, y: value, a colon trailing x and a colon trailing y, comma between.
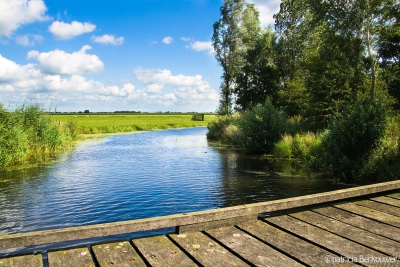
x: 223, y: 129
x: 352, y: 138
x: 384, y: 162
x: 260, y: 128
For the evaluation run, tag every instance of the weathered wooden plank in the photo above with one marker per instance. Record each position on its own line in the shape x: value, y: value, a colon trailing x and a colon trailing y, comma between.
x: 22, y: 261
x: 395, y: 195
x: 217, y: 224
x: 71, y: 258
x: 358, y: 235
x: 291, y: 245
x: 379, y: 206
x: 206, y: 251
x: 160, y: 251
x: 251, y: 249
x: 387, y: 200
x: 117, y: 254
x: 325, y: 239
x: 361, y: 222
x: 108, y: 229
x: 370, y: 213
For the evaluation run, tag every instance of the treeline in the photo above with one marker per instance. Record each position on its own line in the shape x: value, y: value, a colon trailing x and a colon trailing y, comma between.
x: 329, y: 71
x: 29, y: 136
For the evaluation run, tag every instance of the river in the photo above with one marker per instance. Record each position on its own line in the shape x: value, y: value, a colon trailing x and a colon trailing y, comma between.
x: 141, y: 175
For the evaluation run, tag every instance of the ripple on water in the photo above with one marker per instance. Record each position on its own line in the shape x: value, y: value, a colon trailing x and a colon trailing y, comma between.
x: 140, y: 175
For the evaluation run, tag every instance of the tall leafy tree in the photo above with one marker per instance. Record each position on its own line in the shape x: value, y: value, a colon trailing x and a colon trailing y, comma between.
x: 389, y: 50
x: 258, y: 78
x: 226, y: 41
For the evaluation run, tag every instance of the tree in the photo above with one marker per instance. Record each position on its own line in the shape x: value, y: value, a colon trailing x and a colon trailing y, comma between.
x: 226, y: 42
x: 258, y: 78
x: 389, y: 51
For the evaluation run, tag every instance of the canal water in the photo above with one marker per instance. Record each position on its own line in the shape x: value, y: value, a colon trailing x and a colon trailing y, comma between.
x: 141, y: 175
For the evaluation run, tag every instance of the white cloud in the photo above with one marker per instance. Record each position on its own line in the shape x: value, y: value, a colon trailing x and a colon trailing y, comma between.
x: 202, y: 46
x: 108, y: 39
x: 29, y: 39
x: 185, y: 39
x: 187, y: 88
x: 154, y: 88
x: 16, y: 13
x: 66, y: 31
x: 12, y: 72
x: 76, y: 92
x: 167, y: 40
x: 267, y: 10
x: 61, y: 62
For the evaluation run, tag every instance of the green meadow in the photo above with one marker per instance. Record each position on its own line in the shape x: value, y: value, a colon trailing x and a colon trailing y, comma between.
x: 92, y: 123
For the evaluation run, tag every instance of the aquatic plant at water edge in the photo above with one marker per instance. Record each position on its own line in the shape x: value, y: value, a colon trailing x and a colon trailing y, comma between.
x: 299, y: 146
x: 223, y: 129
x: 28, y: 135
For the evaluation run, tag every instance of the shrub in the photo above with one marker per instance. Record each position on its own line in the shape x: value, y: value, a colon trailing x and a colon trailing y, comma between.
x: 223, y: 129
x: 260, y: 128
x: 351, y: 139
x: 384, y: 162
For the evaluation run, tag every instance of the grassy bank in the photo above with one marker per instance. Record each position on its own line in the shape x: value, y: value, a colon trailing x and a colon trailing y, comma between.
x: 29, y: 136
x: 119, y: 123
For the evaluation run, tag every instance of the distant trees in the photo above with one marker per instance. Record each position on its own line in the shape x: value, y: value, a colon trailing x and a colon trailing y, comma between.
x: 322, y: 56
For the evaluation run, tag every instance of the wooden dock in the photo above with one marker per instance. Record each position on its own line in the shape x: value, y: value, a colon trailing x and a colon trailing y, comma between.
x: 350, y: 227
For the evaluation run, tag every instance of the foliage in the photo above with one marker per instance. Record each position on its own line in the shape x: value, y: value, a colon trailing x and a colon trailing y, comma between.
x: 299, y: 146
x: 384, y: 162
x: 352, y: 138
x: 226, y: 42
x: 258, y: 78
x: 260, y: 127
x: 28, y: 135
x: 223, y: 129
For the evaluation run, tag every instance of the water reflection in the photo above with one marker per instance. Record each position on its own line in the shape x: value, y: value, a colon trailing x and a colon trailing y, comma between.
x: 142, y: 175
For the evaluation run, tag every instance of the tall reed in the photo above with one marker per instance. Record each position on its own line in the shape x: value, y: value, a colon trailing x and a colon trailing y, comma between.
x: 28, y: 135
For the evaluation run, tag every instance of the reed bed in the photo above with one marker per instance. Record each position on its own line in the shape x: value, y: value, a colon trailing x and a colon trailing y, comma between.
x: 28, y: 135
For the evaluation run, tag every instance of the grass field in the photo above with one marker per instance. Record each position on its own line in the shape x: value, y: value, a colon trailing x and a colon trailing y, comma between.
x: 117, y: 123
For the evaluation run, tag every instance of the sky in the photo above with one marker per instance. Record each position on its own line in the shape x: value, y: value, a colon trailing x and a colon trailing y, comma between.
x: 104, y: 56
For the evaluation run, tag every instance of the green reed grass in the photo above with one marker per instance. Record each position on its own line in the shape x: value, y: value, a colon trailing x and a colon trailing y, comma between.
x: 28, y: 136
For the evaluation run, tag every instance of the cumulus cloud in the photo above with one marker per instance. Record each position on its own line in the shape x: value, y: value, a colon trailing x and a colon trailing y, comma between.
x: 29, y: 39
x: 267, y: 10
x: 64, y: 31
x: 187, y: 88
x: 167, y: 40
x: 199, y: 46
x: 202, y: 46
x: 16, y: 13
x: 108, y: 39
x: 61, y: 62
x: 11, y: 72
x: 162, y: 90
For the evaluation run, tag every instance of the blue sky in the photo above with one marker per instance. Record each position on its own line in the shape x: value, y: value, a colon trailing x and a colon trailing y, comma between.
x: 142, y: 55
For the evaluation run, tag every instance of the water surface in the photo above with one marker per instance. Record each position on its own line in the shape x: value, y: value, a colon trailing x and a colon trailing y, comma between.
x: 141, y: 175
